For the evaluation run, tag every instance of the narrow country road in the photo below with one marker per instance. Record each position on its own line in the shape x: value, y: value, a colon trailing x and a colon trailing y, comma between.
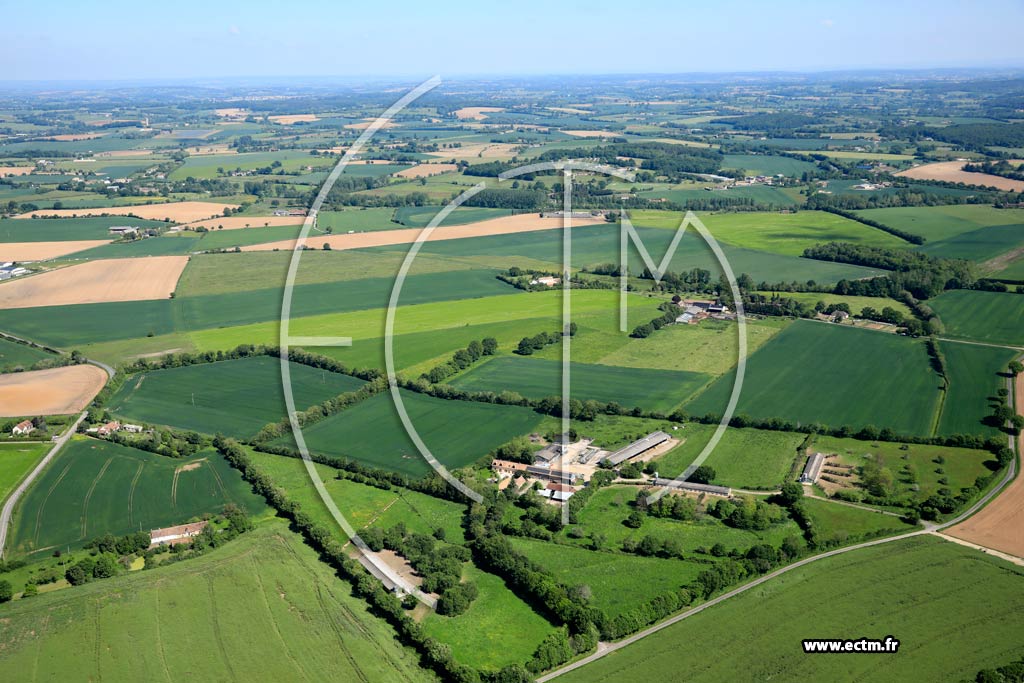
x: 12, y: 501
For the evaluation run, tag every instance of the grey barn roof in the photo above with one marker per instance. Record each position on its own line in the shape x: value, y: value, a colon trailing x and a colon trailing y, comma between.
x: 813, y: 468
x: 637, y: 447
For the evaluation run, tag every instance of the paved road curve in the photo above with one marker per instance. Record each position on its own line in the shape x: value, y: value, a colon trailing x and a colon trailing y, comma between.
x: 5, y: 515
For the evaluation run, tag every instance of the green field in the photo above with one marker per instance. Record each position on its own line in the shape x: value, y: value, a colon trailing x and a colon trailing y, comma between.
x: 618, y: 581
x: 235, y: 397
x: 608, y: 507
x: 363, y: 505
x: 760, y: 164
x: 498, y: 629
x: 744, y: 458
x: 66, y: 229
x: 829, y: 374
x: 17, y: 355
x: 838, y: 524
x: 991, y: 317
x: 974, y: 377
x: 660, y: 390
x: 420, y: 216
x: 215, y: 617
x: 225, y: 239
x: 939, y: 223
x: 457, y: 432
x: 96, y: 487
x: 16, y: 461
x: 955, y: 611
x: 710, y: 348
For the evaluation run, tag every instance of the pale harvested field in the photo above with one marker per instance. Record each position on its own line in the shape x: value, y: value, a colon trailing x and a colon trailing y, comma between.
x: 363, y: 125
x: 478, y: 150
x: 130, y: 279
x: 231, y: 112
x: 591, y: 133
x: 1000, y: 525
x: 41, y: 251
x: 57, y: 391
x: 289, y: 119
x: 178, y: 212
x: 495, y: 226
x: 204, y: 150
x: 476, y: 113
x: 426, y: 170
x: 570, y: 110
x: 240, y: 222
x: 952, y: 171
x: 15, y: 170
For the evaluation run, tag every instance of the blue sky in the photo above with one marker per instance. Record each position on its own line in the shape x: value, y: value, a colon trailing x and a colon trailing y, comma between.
x: 49, y: 40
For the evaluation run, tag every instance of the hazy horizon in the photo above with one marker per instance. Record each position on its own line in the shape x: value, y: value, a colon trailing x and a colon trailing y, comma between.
x: 65, y: 42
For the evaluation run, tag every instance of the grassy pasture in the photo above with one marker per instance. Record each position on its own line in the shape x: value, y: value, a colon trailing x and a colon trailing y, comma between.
x: 618, y: 581
x: 762, y: 194
x: 498, y: 629
x: 213, y: 618
x: 610, y: 506
x: 166, y: 245
x: 744, y: 458
x: 16, y: 460
x: 457, y: 432
x: 990, y: 317
x: 66, y: 229
x: 710, y: 348
x: 234, y: 397
x: 820, y: 373
x: 536, y: 378
x: 973, y: 379
x: 362, y: 505
x: 908, y: 589
x: 841, y: 524
x: 856, y: 303
x: 95, y: 487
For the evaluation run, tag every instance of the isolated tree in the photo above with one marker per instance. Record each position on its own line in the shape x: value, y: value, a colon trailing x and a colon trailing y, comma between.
x: 1016, y: 367
x: 704, y: 474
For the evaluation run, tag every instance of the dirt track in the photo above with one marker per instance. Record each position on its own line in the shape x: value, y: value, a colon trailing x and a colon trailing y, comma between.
x: 40, y: 251
x: 57, y: 391
x: 138, y: 279
x: 179, y: 212
x: 495, y: 226
x: 1000, y: 526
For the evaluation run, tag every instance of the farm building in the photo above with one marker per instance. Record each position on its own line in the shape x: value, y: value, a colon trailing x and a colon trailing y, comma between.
x: 694, y: 486
x: 22, y: 428
x: 547, y: 280
x: 637, y: 447
x: 123, y: 230
x: 548, y: 453
x: 175, y: 534
x: 812, y: 469
x: 10, y: 270
x: 507, y: 468
x: 548, y: 474
x: 109, y: 428
x: 131, y: 429
x: 559, y: 492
